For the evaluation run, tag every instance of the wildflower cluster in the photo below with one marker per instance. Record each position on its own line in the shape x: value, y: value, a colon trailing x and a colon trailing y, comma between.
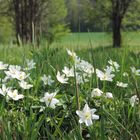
x: 78, y: 82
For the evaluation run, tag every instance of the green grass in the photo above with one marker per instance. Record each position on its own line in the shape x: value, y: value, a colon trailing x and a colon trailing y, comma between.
x: 74, y: 41
x: 81, y: 40
x: 118, y: 120
x: 97, y: 39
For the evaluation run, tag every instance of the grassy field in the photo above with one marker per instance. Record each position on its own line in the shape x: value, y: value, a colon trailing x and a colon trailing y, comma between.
x: 31, y: 115
x: 74, y: 41
x: 97, y: 39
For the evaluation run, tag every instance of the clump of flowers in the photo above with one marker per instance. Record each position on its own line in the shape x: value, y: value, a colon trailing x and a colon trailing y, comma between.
x: 96, y: 92
x: 75, y: 81
x: 13, y: 94
x: 105, y: 76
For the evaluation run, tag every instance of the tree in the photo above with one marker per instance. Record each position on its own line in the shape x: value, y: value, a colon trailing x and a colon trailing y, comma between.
x: 6, y: 27
x: 73, y: 14
x: 96, y: 15
x: 119, y: 9
x: 131, y: 22
x: 113, y: 12
x: 34, y: 18
x: 53, y: 23
x: 27, y: 16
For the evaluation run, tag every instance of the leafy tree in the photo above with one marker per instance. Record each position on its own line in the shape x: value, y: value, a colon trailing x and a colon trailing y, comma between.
x: 53, y: 23
x: 6, y: 27
x: 112, y: 13
x: 34, y: 18
x: 73, y: 14
x: 119, y: 9
x: 131, y: 21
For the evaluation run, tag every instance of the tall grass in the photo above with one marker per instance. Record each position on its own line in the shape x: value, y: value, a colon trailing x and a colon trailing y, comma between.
x: 118, y: 119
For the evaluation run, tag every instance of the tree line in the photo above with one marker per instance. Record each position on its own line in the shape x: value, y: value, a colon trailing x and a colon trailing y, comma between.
x: 32, y: 20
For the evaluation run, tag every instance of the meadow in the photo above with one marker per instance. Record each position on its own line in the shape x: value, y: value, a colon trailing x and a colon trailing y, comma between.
x: 77, y: 88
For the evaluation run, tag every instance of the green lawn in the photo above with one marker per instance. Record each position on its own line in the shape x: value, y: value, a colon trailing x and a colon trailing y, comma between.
x: 84, y: 39
x: 97, y: 39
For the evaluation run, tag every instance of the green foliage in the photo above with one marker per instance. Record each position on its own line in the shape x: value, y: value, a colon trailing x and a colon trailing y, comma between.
x: 53, y: 24
x: 6, y: 30
x: 6, y: 27
x: 57, y: 32
x: 98, y: 15
x: 131, y: 21
x: 73, y: 14
x: 57, y: 11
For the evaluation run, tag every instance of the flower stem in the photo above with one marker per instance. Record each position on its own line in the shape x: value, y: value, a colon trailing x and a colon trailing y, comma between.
x: 102, y: 128
x: 76, y: 90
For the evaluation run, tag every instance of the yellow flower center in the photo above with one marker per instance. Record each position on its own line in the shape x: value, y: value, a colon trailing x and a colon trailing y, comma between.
x: 87, y: 115
x: 14, y: 94
x: 105, y: 77
x: 49, y: 99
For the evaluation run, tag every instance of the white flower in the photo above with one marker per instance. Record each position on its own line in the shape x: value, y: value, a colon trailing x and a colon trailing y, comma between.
x: 125, y: 74
x: 114, y: 64
x: 6, y: 78
x: 68, y: 72
x: 3, y: 66
x: 134, y: 100
x: 47, y: 80
x: 109, y: 95
x: 81, y: 78
x: 61, y: 78
x: 105, y: 76
x: 71, y: 53
x: 49, y: 99
x: 135, y: 71
x: 24, y: 85
x: 121, y: 84
x: 87, y: 115
x: 13, y: 94
x: 30, y: 64
x: 3, y: 90
x: 21, y: 75
x: 96, y: 92
x: 109, y: 68
x: 85, y: 66
x: 13, y: 70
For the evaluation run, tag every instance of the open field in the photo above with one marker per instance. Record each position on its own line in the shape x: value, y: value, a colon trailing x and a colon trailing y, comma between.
x: 55, y: 115
x: 75, y: 41
x: 97, y: 39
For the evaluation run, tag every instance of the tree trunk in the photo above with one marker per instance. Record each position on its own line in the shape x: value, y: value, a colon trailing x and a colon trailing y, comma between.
x: 17, y: 19
x: 117, y: 31
x: 27, y: 19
